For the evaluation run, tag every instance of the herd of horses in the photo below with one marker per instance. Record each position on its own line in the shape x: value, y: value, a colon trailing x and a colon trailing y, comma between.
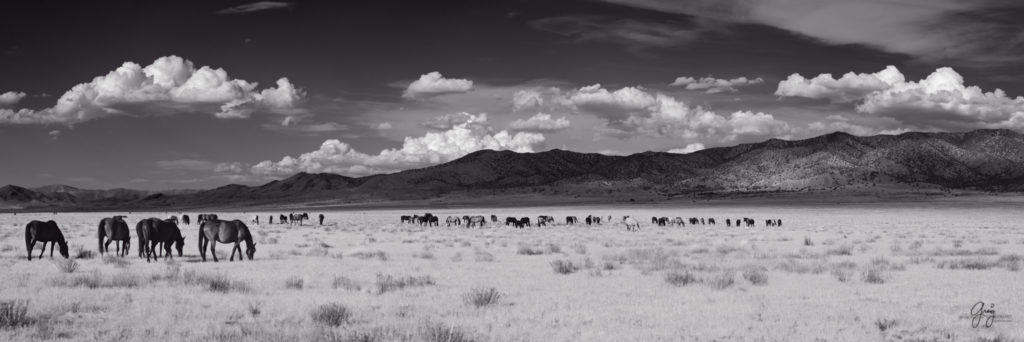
x: 430, y: 220
x: 155, y: 236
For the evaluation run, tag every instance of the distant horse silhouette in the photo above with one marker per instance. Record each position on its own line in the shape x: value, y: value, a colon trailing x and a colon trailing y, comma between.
x: 511, y: 221
x: 205, y: 217
x: 494, y: 218
x: 173, y: 218
x: 452, y: 220
x: 282, y: 219
x: 543, y: 220
x: 478, y: 221
x: 153, y: 231
x: 212, y: 232
x: 184, y: 219
x: 525, y: 221
x: 298, y: 217
x: 571, y: 220
x: 631, y: 223
x: 38, y: 231
x: 113, y: 229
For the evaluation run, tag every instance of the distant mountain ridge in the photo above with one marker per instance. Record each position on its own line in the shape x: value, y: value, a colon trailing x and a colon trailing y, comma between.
x: 987, y: 160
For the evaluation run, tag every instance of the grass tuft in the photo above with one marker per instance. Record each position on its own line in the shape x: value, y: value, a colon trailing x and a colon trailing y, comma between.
x: 561, y: 266
x: 14, y: 314
x: 66, y: 265
x: 481, y: 297
x: 331, y: 314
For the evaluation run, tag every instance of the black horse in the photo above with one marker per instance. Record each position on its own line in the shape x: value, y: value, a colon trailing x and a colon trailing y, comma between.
x: 153, y: 231
x: 44, y: 232
x: 212, y: 232
x: 113, y: 229
x: 184, y: 219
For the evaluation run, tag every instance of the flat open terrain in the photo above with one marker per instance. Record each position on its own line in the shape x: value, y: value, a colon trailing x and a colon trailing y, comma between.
x: 864, y: 272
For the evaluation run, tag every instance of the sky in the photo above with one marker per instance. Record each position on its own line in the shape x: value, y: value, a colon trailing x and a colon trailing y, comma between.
x: 199, y: 94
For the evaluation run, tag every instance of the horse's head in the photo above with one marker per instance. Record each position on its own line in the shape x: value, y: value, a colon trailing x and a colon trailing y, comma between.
x: 180, y: 245
x: 251, y: 251
x: 64, y: 250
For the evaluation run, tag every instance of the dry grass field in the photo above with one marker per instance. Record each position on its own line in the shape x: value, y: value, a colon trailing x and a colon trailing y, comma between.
x: 869, y: 272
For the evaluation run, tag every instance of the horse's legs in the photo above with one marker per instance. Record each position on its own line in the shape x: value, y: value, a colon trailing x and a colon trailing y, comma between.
x: 238, y: 246
x: 233, y: 248
x: 43, y: 252
x: 106, y: 246
x: 29, y: 245
x: 213, y: 249
x: 167, y: 247
x: 52, y: 244
x: 202, y: 247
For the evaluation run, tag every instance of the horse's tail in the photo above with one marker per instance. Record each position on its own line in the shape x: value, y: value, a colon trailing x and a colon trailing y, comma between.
x: 141, y: 238
x: 100, y: 234
x: 28, y: 240
x: 202, y: 238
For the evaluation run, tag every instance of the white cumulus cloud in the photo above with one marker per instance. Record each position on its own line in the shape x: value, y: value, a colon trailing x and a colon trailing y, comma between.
x: 11, y: 98
x: 632, y: 110
x: 170, y: 84
x: 540, y: 122
x: 433, y: 84
x: 432, y: 148
x: 713, y: 85
x: 939, y: 101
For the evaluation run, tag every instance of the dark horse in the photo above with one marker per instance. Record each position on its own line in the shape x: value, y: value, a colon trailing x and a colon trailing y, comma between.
x: 44, y: 232
x: 212, y: 232
x: 153, y: 231
x: 114, y: 229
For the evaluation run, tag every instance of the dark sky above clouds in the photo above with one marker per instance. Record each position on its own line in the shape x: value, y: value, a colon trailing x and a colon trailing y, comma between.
x: 197, y: 94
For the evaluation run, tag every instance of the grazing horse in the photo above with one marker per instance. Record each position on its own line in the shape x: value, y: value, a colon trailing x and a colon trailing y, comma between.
x: 631, y: 223
x: 662, y: 221
x: 210, y: 233
x: 298, y: 217
x: 406, y: 219
x: 477, y: 221
x: 114, y: 229
x: 153, y: 231
x: 678, y: 221
x: 728, y: 223
x: 509, y: 220
x: 525, y: 221
x: 571, y: 220
x: 184, y: 219
x: 494, y: 218
x: 542, y: 220
x: 452, y: 220
x: 711, y: 221
x: 38, y: 231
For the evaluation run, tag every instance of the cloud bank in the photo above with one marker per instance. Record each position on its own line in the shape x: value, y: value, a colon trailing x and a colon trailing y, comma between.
x: 433, y: 148
x: 940, y: 101
x: 713, y: 85
x: 540, y: 123
x: 170, y: 84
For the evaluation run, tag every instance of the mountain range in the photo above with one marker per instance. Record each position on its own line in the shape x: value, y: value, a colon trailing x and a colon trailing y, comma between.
x: 980, y: 160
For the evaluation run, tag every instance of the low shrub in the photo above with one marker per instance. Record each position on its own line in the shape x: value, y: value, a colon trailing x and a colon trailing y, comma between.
x: 66, y: 265
x: 680, y: 278
x: 387, y: 283
x: 14, y: 314
x: 481, y: 297
x: 294, y: 282
x: 331, y: 314
x: 561, y: 266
